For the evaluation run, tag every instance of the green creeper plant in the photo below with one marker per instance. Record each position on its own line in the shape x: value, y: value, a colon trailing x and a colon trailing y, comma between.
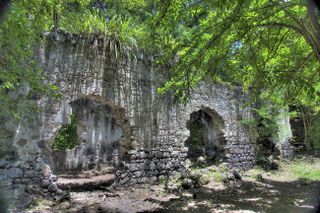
x: 67, y: 136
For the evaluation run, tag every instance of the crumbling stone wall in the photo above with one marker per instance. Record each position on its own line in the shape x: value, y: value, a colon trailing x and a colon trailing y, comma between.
x: 154, y: 127
x: 24, y: 165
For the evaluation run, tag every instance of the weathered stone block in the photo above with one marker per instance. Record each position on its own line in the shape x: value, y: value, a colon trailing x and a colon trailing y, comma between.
x: 14, y: 172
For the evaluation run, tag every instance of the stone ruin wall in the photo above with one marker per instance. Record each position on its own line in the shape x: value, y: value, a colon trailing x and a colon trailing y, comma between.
x: 154, y: 130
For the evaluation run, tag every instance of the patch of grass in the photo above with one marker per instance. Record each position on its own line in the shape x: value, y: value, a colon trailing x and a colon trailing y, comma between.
x: 174, y: 181
x: 215, y: 173
x: 296, y: 169
x: 305, y: 170
x: 255, y: 171
x: 40, y: 204
x: 217, y: 176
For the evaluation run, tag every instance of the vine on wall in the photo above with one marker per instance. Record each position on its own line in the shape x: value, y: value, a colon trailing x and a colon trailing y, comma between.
x: 67, y: 136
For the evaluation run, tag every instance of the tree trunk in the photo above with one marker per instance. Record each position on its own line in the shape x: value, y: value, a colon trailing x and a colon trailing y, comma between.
x: 306, y: 126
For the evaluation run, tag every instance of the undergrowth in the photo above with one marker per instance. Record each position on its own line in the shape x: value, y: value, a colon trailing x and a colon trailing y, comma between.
x: 215, y: 173
x: 306, y: 170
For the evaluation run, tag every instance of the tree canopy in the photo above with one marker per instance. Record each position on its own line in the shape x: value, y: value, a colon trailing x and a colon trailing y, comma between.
x: 269, y: 47
x: 264, y: 46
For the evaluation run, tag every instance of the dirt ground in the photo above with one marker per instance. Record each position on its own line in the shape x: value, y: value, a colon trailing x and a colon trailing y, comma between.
x: 272, y: 196
x: 278, y: 191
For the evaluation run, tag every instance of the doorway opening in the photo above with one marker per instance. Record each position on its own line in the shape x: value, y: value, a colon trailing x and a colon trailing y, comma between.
x: 206, y: 135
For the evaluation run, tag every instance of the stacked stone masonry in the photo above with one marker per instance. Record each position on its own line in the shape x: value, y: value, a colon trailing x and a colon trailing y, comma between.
x: 152, y: 165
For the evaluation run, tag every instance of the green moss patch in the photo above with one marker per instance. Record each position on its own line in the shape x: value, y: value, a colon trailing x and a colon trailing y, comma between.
x: 196, y: 135
x: 67, y: 136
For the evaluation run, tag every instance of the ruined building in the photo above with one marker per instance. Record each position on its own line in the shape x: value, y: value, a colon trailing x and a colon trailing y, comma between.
x: 122, y: 122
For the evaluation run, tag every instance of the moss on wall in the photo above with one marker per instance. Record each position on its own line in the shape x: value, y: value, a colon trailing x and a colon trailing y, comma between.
x: 67, y: 136
x: 196, y: 135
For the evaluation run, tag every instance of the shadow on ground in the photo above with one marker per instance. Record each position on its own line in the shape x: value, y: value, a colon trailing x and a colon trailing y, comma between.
x: 268, y: 196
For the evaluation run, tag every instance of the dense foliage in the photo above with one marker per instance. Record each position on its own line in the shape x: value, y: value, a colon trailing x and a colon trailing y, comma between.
x: 269, y: 46
x: 67, y: 136
x: 266, y: 46
x: 19, y: 30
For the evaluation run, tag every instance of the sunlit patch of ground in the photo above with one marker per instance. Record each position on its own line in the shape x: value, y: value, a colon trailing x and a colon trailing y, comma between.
x: 292, y: 188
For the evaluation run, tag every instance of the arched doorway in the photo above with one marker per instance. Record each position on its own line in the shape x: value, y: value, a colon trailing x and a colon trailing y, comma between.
x: 99, y: 147
x: 206, y: 135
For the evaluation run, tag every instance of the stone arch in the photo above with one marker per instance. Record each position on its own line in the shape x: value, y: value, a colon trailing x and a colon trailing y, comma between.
x: 206, y: 137
x: 103, y: 134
